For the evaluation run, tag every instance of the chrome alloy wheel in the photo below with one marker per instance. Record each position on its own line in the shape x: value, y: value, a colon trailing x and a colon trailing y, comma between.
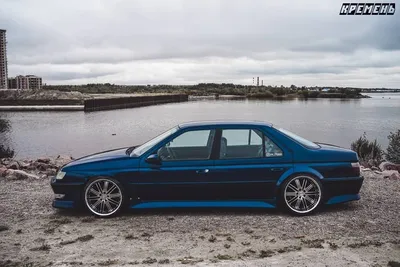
x: 103, y: 197
x: 302, y: 194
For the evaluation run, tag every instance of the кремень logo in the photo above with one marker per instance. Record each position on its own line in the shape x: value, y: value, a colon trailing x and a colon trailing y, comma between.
x: 368, y: 9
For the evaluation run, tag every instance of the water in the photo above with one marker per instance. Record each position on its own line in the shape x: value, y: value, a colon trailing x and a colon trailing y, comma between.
x: 34, y: 134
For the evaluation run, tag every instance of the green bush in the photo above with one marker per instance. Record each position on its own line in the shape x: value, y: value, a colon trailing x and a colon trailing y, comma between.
x: 313, y: 94
x: 393, y: 150
x: 265, y: 94
x: 5, y: 152
x: 369, y: 152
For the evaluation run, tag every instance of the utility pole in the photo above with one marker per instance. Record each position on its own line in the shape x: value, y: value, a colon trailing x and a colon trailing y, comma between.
x: 258, y: 81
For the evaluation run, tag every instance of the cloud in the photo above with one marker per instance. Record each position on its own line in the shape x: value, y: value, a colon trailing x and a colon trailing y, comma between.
x: 185, y: 42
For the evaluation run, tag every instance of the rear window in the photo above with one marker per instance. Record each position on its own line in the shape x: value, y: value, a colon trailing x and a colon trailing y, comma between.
x: 299, y: 139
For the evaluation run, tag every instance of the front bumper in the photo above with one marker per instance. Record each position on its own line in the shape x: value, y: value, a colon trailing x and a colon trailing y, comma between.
x: 70, y: 194
x: 340, y: 190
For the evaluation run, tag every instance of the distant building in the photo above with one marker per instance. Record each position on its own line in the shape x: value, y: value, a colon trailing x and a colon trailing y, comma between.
x: 12, y: 83
x: 34, y: 82
x: 3, y: 60
x: 25, y: 82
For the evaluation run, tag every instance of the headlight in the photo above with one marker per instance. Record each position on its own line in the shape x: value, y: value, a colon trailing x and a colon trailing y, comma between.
x: 60, y: 175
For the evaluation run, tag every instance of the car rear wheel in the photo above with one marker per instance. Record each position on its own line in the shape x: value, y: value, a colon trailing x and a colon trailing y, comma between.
x: 103, y: 197
x: 301, y: 194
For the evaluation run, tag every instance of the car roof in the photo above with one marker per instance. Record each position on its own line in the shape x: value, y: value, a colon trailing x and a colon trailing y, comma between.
x: 224, y: 123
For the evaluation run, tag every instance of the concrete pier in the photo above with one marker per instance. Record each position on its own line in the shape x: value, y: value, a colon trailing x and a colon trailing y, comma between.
x: 131, y: 101
x: 97, y: 102
x: 43, y: 108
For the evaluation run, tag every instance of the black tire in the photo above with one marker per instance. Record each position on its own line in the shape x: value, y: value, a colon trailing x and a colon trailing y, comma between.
x: 100, y: 197
x: 297, y: 200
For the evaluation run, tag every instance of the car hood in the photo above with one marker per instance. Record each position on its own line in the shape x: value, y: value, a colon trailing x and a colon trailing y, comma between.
x: 119, y: 153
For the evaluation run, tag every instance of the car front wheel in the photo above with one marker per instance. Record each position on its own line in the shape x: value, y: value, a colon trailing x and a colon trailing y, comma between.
x: 301, y: 194
x: 103, y: 197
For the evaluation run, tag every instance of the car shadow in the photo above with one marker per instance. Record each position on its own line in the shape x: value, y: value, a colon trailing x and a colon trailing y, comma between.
x: 200, y: 212
x: 177, y: 212
x: 341, y: 207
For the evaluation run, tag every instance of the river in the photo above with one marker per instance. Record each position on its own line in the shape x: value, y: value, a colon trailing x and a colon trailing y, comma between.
x: 336, y: 121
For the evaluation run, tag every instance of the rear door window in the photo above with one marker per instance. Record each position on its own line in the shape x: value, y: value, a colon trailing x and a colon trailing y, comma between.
x: 247, y: 143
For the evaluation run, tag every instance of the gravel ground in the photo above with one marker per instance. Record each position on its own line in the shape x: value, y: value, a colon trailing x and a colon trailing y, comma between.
x: 363, y: 233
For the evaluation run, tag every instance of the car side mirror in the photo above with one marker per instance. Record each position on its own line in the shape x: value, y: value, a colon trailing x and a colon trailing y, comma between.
x: 153, y: 159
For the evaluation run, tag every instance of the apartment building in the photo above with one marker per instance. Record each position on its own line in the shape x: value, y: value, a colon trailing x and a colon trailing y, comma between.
x: 3, y: 60
x: 25, y: 82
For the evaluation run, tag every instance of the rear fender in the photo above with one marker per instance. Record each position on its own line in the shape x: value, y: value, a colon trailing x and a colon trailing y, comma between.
x: 298, y: 170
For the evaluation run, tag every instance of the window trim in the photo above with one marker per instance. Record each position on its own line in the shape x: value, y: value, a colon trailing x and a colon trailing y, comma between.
x: 255, y: 129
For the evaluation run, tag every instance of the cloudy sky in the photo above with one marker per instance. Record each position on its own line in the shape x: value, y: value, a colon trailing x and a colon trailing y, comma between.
x: 192, y: 41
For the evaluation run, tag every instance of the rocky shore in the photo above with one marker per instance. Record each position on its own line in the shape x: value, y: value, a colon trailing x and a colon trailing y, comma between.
x: 32, y: 233
x: 40, y: 168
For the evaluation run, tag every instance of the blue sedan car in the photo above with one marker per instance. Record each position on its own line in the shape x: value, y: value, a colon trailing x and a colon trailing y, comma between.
x: 212, y: 164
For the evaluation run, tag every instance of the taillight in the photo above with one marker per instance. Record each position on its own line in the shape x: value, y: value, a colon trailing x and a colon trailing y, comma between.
x: 356, y: 167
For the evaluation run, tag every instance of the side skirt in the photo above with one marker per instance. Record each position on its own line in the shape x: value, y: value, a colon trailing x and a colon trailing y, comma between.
x: 203, y: 204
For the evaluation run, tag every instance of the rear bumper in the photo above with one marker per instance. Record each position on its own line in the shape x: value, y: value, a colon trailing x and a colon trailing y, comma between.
x: 68, y: 195
x: 340, y: 190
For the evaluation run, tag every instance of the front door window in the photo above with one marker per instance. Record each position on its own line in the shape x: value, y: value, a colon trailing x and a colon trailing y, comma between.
x: 191, y: 145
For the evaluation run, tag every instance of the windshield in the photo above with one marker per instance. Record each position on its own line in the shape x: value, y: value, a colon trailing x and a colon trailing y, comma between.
x: 299, y: 139
x: 149, y: 144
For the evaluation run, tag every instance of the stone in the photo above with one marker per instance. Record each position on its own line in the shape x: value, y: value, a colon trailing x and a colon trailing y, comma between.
x: 24, y: 165
x: 375, y: 168
x: 394, y: 176
x: 388, y: 166
x: 3, y: 171
x: 19, y: 175
x: 43, y: 160
x: 51, y: 171
x: 61, y: 160
x: 389, y: 173
x: 14, y: 165
x: 6, y: 161
x: 41, y: 166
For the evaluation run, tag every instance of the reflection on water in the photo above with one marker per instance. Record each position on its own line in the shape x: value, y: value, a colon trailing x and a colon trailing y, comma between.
x: 336, y: 121
x: 5, y: 149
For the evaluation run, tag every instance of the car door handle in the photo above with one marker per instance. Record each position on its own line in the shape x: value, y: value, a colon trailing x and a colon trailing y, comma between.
x: 276, y: 169
x: 203, y: 171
